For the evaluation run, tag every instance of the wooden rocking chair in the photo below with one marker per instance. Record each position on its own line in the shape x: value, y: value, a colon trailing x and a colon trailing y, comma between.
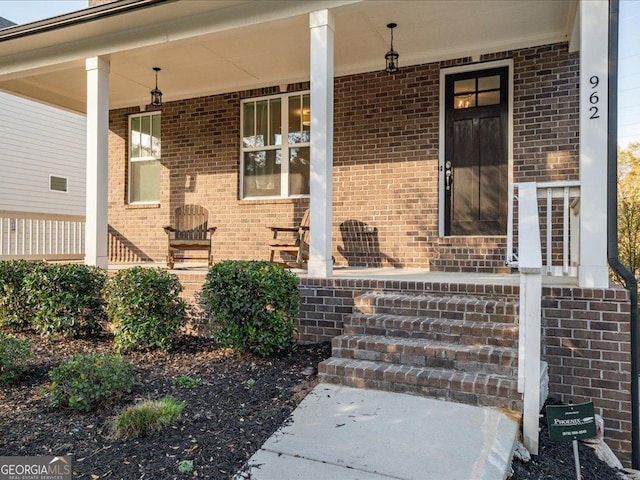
x: 296, y: 245
x: 191, y: 232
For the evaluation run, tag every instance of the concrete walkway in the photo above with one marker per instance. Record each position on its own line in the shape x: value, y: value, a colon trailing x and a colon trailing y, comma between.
x: 342, y: 433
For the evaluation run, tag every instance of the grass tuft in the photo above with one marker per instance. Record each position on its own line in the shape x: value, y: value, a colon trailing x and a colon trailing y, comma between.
x: 147, y: 417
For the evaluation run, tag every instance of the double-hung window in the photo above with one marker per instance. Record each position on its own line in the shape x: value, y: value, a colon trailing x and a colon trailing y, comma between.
x: 275, y: 139
x: 144, y: 158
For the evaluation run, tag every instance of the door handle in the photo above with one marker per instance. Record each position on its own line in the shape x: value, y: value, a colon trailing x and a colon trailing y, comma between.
x: 448, y: 175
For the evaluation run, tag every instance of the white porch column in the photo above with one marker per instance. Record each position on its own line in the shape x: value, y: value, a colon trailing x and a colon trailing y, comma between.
x: 97, y: 161
x: 321, y: 24
x: 593, y: 271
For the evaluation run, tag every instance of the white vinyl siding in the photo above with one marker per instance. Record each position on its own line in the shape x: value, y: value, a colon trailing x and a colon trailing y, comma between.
x: 37, y: 141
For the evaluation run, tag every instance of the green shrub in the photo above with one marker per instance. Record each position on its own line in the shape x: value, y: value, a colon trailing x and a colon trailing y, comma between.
x: 66, y: 299
x: 253, y: 304
x: 13, y: 355
x: 185, y: 466
x: 15, y: 312
x: 147, y: 417
x: 145, y: 307
x: 187, y: 381
x: 89, y: 380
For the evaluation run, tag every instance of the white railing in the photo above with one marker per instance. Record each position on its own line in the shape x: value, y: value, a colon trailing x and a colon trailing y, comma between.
x: 559, y: 207
x: 530, y: 266
x: 41, y: 236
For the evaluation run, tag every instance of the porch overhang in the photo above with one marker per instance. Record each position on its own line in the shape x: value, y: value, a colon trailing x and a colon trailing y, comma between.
x: 209, y: 47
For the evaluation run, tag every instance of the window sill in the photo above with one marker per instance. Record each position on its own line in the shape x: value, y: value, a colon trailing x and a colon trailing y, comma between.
x: 141, y: 206
x: 272, y: 200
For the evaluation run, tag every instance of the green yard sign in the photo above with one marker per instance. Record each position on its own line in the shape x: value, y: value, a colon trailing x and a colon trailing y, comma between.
x: 571, y: 422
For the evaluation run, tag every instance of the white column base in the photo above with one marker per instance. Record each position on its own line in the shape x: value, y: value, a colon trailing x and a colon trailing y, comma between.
x: 593, y: 276
x: 319, y: 268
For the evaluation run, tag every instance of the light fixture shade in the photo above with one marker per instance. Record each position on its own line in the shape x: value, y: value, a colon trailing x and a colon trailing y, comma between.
x: 391, y: 57
x: 156, y: 94
x: 392, y: 61
x: 156, y: 98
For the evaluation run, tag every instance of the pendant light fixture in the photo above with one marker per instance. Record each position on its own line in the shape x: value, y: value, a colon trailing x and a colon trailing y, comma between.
x: 156, y: 94
x: 392, y: 56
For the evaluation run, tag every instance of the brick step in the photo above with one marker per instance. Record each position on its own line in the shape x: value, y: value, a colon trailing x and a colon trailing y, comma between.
x: 477, y: 388
x: 497, y: 310
x: 427, y: 353
x: 439, y: 329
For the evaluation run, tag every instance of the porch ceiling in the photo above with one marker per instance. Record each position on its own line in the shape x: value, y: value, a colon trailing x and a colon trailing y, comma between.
x: 206, y: 47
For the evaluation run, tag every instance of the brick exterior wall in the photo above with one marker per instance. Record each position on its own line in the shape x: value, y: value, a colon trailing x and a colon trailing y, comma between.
x: 385, y: 167
x: 587, y: 343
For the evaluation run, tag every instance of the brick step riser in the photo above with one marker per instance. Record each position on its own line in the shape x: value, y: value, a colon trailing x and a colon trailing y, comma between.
x: 473, y: 313
x: 492, y: 334
x: 480, y: 394
x: 500, y: 363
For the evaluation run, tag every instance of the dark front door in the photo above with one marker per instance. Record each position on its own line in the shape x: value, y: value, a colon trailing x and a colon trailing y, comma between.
x: 476, y: 158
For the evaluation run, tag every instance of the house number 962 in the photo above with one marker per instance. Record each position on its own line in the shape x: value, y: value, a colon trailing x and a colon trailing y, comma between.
x: 593, y: 98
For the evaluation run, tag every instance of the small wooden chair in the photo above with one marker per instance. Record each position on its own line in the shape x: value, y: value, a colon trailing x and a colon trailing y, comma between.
x: 191, y: 232
x: 296, y: 245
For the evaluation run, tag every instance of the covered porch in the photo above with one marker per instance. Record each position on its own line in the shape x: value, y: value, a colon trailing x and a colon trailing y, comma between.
x: 358, y: 178
x: 376, y: 151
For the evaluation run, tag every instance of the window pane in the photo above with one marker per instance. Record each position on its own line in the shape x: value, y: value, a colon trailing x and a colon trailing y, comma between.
x: 262, y: 173
x: 262, y: 123
x: 248, y: 125
x: 306, y: 118
x: 155, y: 139
x: 489, y: 83
x: 145, y: 181
x: 135, y: 137
x: 464, y: 101
x: 464, y: 86
x: 489, y: 98
x: 145, y: 136
x: 276, y: 121
x: 295, y: 119
x: 299, y: 171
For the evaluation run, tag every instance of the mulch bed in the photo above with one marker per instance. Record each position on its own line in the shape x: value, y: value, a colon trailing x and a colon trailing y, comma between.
x: 241, y: 401
x: 555, y: 460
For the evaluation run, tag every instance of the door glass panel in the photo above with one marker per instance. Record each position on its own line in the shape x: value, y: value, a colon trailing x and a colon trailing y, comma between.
x: 464, y: 86
x: 464, y: 101
x: 489, y: 83
x: 489, y: 98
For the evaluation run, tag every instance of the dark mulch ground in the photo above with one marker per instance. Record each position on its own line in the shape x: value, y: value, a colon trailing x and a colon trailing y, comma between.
x: 555, y: 460
x: 241, y: 401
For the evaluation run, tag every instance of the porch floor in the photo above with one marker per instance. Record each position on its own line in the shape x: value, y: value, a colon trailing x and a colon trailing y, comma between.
x: 393, y: 274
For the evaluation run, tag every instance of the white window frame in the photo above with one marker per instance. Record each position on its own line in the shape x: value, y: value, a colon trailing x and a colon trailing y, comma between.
x: 284, y: 146
x: 66, y: 190
x: 131, y: 160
